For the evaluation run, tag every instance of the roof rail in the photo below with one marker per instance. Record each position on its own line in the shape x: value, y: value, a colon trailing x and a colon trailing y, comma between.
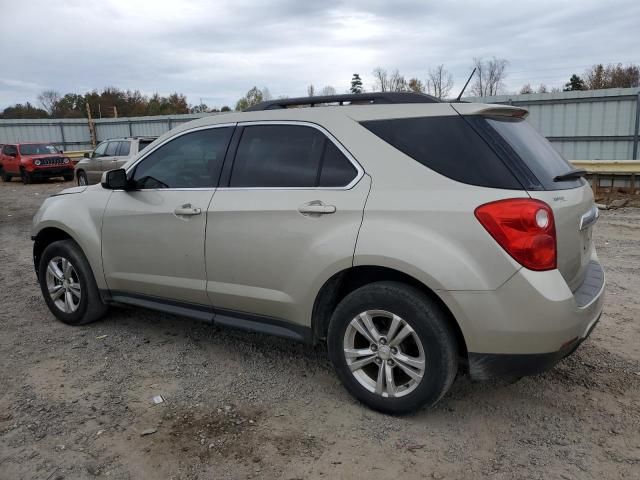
x: 352, y: 98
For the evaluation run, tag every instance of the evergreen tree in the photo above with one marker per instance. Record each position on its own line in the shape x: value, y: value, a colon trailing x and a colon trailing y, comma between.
x: 356, y: 83
x: 575, y: 83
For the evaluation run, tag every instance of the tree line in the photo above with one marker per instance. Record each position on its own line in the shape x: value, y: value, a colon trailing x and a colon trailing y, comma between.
x: 108, y: 103
x: 489, y: 79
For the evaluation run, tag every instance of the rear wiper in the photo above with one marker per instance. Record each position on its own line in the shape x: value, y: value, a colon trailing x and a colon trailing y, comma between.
x: 571, y: 174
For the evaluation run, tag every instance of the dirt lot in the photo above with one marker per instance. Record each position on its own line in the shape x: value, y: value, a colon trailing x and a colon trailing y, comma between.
x: 74, y: 402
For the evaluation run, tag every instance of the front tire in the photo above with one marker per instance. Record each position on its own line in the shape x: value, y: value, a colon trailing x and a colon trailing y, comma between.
x: 26, y: 177
x: 82, y: 179
x: 68, y: 285
x: 68, y: 178
x: 392, y: 347
x: 4, y: 175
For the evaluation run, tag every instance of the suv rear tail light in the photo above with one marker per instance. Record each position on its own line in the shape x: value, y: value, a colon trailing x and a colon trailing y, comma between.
x: 524, y: 228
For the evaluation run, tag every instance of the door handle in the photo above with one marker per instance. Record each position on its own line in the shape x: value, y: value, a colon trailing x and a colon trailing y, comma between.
x: 187, y: 209
x: 316, y: 208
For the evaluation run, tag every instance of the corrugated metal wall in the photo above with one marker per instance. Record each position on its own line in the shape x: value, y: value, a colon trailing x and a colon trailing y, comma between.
x: 73, y: 134
x: 591, y: 125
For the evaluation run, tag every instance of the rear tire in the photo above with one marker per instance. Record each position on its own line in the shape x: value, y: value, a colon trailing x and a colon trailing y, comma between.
x: 26, y: 177
x: 415, y: 348
x: 4, y: 175
x: 82, y: 179
x: 68, y: 285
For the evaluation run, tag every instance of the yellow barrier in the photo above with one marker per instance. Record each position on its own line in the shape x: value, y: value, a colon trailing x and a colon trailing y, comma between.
x: 76, y: 154
x: 621, y: 167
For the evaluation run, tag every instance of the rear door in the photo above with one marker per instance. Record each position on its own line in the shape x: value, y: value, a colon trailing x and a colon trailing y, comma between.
x: 10, y: 160
x: 571, y: 199
x: 288, y: 214
x: 123, y: 154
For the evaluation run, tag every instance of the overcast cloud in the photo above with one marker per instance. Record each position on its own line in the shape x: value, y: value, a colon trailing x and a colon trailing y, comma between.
x: 216, y: 51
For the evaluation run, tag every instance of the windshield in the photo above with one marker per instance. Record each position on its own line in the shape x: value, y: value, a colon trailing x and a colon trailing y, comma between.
x: 38, y: 149
x: 536, y: 152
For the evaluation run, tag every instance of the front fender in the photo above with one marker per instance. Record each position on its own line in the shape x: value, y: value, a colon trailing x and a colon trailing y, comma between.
x: 80, y: 217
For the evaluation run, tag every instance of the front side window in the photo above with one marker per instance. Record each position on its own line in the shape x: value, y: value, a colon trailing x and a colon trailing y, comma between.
x: 193, y: 160
x: 289, y: 156
x: 100, y: 149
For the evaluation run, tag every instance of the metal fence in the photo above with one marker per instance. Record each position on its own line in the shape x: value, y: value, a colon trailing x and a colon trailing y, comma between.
x: 589, y: 125
x: 583, y: 125
x: 73, y: 134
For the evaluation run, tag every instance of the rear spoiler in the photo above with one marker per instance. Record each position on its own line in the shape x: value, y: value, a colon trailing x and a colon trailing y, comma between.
x: 490, y: 110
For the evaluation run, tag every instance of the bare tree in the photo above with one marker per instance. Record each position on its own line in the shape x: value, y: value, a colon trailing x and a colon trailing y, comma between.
x: 439, y: 82
x: 266, y: 94
x: 381, y: 79
x: 543, y: 88
x: 526, y: 89
x: 311, y: 91
x: 389, y: 83
x: 490, y: 75
x: 49, y: 100
x: 612, y: 76
x: 397, y: 83
x: 328, y: 90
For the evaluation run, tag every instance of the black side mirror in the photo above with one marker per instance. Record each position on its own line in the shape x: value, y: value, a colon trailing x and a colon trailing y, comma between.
x: 115, y: 179
x: 87, y: 155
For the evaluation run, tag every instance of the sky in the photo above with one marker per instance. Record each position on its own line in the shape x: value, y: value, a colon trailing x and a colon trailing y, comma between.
x: 215, y: 51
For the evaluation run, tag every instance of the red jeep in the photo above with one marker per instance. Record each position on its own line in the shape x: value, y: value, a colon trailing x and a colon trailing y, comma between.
x: 31, y: 161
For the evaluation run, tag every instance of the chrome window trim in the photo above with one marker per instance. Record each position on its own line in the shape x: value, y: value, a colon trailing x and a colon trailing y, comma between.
x: 173, y: 137
x: 329, y: 135
x: 359, y: 170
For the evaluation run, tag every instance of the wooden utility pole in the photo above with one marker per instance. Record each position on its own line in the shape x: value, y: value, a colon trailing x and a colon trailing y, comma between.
x: 92, y: 127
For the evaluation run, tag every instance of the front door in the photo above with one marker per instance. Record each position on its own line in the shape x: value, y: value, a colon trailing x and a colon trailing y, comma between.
x: 108, y: 161
x: 93, y: 167
x: 289, y: 214
x: 153, y: 234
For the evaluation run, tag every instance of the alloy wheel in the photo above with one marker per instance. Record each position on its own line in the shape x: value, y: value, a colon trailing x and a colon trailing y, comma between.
x: 384, y: 354
x: 63, y: 284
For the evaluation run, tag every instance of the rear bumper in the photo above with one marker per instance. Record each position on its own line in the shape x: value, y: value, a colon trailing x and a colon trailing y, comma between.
x: 484, y: 366
x: 528, y: 324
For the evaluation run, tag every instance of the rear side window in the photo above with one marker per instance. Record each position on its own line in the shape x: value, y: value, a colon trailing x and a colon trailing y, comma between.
x: 449, y: 146
x: 534, y: 151
x: 10, y: 150
x: 112, y: 149
x: 125, y: 148
x: 142, y: 144
x: 337, y: 170
x: 277, y: 156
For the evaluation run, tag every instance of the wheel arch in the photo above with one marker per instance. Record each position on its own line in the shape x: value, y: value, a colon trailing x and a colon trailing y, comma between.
x: 346, y: 281
x: 46, y: 237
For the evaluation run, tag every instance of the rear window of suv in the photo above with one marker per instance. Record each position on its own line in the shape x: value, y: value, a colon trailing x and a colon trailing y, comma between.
x: 448, y: 145
x: 535, y: 151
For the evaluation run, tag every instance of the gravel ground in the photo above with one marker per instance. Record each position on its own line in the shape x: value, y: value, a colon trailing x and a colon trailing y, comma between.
x: 76, y: 403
